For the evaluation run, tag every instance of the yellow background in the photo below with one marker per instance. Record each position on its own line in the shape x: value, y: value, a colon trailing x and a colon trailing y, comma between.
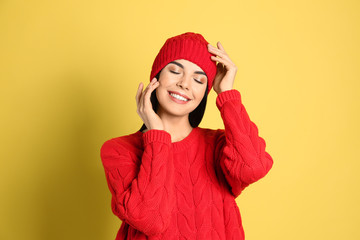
x: 69, y: 71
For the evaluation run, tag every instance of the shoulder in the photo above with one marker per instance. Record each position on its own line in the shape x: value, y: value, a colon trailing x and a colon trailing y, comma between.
x: 211, y: 135
x: 122, y: 144
x: 210, y: 132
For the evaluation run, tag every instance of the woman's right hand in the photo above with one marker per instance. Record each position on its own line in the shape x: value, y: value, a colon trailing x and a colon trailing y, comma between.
x: 144, y: 106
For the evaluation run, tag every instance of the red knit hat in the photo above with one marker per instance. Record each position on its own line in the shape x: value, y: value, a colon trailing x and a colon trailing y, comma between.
x: 189, y: 46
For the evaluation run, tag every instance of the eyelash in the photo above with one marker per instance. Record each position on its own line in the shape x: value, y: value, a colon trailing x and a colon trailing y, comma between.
x: 194, y: 78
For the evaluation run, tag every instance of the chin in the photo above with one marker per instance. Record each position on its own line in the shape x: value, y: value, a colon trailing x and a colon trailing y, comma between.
x: 175, y: 111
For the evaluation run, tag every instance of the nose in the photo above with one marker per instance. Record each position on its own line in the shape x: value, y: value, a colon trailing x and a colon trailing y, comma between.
x: 184, y: 82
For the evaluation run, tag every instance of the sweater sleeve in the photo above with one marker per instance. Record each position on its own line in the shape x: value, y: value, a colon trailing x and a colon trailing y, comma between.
x: 240, y: 151
x: 142, y: 190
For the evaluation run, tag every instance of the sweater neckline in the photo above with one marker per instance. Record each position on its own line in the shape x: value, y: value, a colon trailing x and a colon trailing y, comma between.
x: 185, y: 142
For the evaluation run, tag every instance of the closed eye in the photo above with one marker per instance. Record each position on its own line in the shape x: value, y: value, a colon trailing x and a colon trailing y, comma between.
x: 198, y: 81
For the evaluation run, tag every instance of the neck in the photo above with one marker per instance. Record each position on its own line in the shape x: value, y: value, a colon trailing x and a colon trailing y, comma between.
x: 178, y: 126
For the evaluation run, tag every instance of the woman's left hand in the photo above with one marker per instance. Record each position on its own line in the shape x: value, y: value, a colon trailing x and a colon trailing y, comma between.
x: 226, y: 69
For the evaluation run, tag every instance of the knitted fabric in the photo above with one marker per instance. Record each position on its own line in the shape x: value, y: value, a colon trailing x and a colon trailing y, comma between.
x: 189, y: 46
x: 186, y: 189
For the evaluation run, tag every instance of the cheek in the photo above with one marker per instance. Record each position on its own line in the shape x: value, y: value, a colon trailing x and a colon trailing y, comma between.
x: 161, y: 92
x: 162, y: 89
x: 166, y: 78
x: 199, y: 93
x: 163, y: 83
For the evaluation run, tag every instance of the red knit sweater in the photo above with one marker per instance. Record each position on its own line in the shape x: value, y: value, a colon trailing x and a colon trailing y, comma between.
x: 187, y: 189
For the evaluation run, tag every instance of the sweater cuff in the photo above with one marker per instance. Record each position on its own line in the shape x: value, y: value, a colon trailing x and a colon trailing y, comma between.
x: 232, y: 94
x: 155, y: 135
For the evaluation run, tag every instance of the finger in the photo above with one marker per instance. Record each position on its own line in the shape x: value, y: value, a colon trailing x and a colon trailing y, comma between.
x: 220, y: 46
x: 228, y: 65
x: 214, y: 49
x: 148, y: 86
x: 147, y: 93
x: 231, y: 64
x: 220, y: 50
x: 143, y: 93
x: 221, y: 60
x: 138, y: 93
x: 219, y: 53
x: 141, y: 99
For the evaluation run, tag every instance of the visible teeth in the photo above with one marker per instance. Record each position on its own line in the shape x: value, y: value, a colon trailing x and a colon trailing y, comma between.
x: 178, y: 97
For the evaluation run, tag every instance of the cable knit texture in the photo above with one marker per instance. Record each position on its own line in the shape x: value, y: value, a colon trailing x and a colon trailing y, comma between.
x: 187, y: 189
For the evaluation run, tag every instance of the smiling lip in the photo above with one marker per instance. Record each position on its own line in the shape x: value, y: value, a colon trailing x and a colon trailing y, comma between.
x: 177, y: 100
x: 180, y: 94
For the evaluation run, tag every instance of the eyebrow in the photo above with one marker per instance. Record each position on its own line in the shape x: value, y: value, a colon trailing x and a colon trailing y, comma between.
x: 180, y: 65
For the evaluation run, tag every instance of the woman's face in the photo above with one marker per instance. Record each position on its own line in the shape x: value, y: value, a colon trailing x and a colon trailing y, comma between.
x: 182, y: 86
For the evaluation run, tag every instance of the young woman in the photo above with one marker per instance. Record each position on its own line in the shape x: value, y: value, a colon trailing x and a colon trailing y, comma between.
x: 173, y: 179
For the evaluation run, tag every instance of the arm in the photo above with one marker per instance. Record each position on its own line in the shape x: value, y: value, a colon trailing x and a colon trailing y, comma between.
x: 142, y: 191
x: 240, y: 152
